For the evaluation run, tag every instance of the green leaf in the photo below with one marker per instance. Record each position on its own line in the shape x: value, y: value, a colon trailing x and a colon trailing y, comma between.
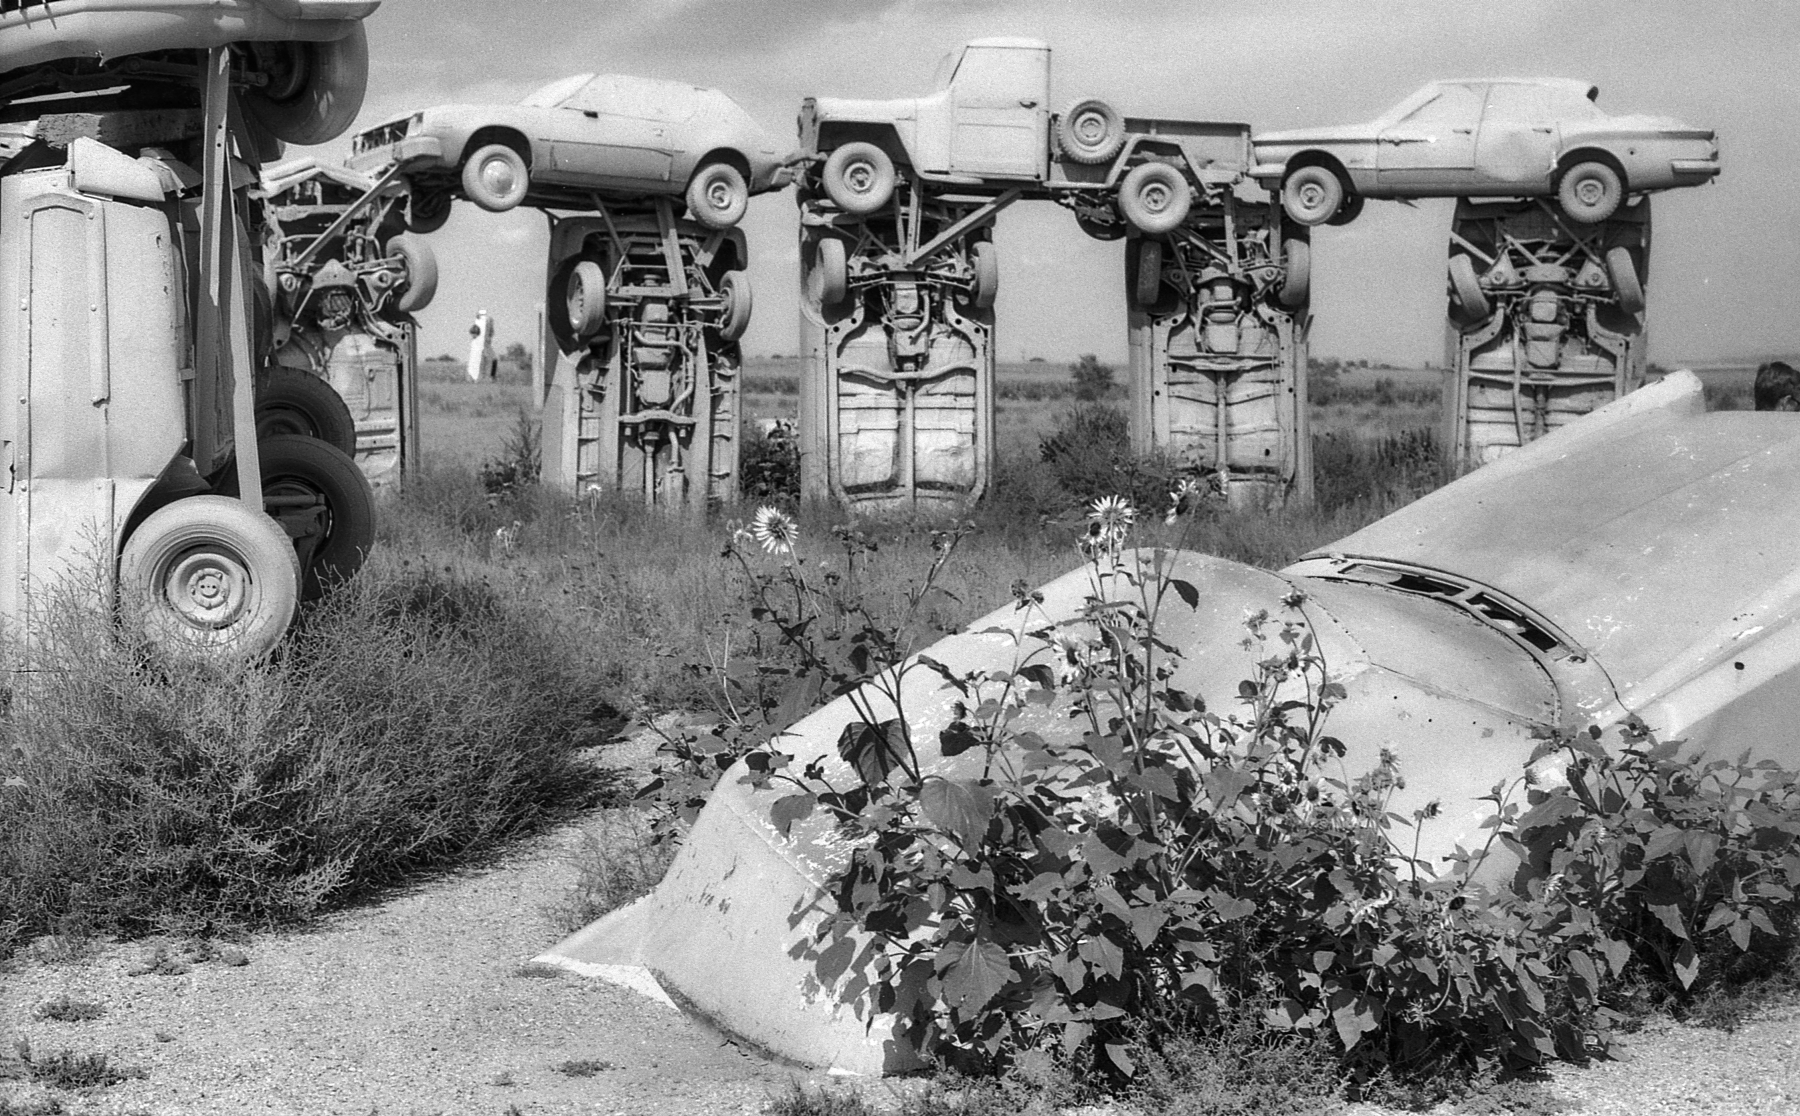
x: 1740, y: 933
x: 957, y: 738
x: 1702, y: 851
x: 973, y: 974
x: 1719, y: 917
x: 959, y: 807
x: 1186, y: 591
x: 1121, y: 1059
x: 790, y: 809
x: 1687, y: 965
x: 873, y: 750
x: 1585, y: 971
x: 1666, y: 841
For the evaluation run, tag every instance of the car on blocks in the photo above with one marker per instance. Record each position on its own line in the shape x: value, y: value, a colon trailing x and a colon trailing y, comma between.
x: 1500, y: 137
x: 610, y: 133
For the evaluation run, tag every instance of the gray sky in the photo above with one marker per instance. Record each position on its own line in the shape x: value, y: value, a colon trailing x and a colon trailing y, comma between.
x: 1725, y: 277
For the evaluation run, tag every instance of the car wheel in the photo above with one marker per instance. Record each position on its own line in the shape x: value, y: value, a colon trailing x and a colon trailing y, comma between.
x: 1155, y: 198
x: 859, y: 178
x: 1468, y: 302
x: 297, y: 470
x: 496, y: 178
x: 420, y: 264
x: 1625, y: 283
x: 734, y: 292
x: 1296, y: 281
x: 1090, y: 131
x: 1311, y: 195
x: 584, y: 299
x: 986, y: 263
x: 1590, y: 192
x: 294, y: 401
x: 718, y: 196
x: 833, y: 268
x: 314, y: 90
x: 1146, y: 272
x: 427, y: 211
x: 211, y: 576
x: 1348, y: 211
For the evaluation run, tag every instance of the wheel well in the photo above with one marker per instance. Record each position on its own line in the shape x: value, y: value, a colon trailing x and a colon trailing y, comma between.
x: 1320, y: 159
x: 511, y: 137
x: 1590, y: 155
x: 723, y: 155
x: 884, y: 136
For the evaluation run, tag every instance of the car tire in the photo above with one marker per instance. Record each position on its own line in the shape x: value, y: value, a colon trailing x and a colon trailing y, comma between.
x: 718, y: 197
x: 1155, y: 198
x: 1296, y: 280
x: 292, y: 401
x: 1468, y: 302
x: 1349, y: 211
x: 316, y: 89
x: 1590, y: 192
x: 735, y: 293
x: 1625, y: 283
x: 495, y: 177
x: 1311, y: 195
x: 584, y: 300
x: 1090, y: 131
x: 427, y: 211
x: 859, y: 178
x: 1146, y: 272
x: 985, y: 261
x: 210, y: 576
x: 832, y: 265
x: 420, y: 264
x: 293, y: 465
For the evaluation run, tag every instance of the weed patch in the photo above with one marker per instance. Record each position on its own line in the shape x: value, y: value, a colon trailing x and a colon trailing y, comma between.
x: 66, y: 1009
x: 582, y: 1067
x: 66, y: 1069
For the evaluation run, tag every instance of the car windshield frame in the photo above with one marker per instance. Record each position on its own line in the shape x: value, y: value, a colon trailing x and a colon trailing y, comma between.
x: 557, y: 93
x: 1414, y: 101
x: 946, y: 69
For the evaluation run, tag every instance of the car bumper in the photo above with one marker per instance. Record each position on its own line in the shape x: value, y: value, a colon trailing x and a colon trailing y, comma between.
x: 1269, y: 174
x: 422, y: 150
x: 1694, y: 169
x: 113, y: 29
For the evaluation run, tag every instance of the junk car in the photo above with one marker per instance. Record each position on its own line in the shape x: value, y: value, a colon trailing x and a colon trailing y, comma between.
x: 608, y: 132
x: 1504, y: 137
x: 1637, y: 563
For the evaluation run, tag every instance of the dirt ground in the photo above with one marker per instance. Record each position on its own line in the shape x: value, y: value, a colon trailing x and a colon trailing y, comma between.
x: 425, y: 1004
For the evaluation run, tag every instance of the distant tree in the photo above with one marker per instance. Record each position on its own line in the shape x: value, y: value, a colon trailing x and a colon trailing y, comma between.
x: 1093, y: 380
x: 520, y: 358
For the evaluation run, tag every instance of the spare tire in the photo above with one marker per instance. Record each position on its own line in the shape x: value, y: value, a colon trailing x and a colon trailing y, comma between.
x: 315, y: 90
x: 294, y: 401
x: 1296, y: 283
x: 1090, y: 131
x: 1625, y: 283
x: 1155, y: 198
x: 421, y: 267
x: 1468, y: 302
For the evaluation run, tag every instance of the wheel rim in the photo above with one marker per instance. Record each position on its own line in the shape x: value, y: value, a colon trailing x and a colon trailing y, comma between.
x: 1590, y: 191
x: 1311, y: 195
x: 498, y: 177
x: 293, y: 486
x: 860, y: 177
x: 1156, y: 197
x: 1089, y: 129
x: 271, y: 421
x: 720, y: 195
x: 207, y: 588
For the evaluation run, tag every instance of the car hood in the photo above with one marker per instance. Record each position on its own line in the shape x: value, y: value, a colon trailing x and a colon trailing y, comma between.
x: 1304, y: 137
x: 44, y: 32
x: 853, y: 109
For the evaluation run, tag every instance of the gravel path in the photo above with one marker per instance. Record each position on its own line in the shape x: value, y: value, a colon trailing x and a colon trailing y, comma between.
x: 422, y: 1005
x: 416, y: 1006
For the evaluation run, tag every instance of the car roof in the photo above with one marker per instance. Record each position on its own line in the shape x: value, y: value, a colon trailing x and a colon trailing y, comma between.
x: 1576, y: 86
x: 1638, y: 538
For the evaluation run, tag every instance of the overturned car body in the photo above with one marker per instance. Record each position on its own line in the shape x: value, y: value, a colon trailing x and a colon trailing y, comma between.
x: 1637, y: 562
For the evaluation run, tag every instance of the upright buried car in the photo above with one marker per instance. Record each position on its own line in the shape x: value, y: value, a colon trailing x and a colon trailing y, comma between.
x: 1637, y: 562
x: 611, y: 132
x: 1503, y: 137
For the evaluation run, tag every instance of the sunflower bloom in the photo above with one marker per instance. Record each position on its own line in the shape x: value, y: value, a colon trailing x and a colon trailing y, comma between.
x: 775, y: 530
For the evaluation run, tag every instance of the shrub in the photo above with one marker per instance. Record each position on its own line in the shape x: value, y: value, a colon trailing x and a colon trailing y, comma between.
x: 520, y: 462
x: 1093, y: 380
x: 414, y: 717
x: 1089, y: 455
x: 769, y: 466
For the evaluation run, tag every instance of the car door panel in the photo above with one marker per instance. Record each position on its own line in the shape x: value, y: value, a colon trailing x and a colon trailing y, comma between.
x: 602, y: 137
x: 1517, y: 145
x: 1433, y: 148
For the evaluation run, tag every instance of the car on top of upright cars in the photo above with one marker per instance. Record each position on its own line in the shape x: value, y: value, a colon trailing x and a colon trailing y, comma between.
x: 578, y: 135
x: 1498, y: 137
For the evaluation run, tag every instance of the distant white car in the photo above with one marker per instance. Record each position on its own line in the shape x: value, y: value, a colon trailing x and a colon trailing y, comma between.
x: 1503, y: 137
x: 578, y: 135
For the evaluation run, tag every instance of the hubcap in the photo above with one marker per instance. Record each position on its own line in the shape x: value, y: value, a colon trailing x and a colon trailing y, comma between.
x: 1090, y: 128
x: 719, y: 194
x: 860, y: 177
x: 1590, y: 190
x: 497, y: 175
x: 1156, y: 197
x: 208, y: 588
